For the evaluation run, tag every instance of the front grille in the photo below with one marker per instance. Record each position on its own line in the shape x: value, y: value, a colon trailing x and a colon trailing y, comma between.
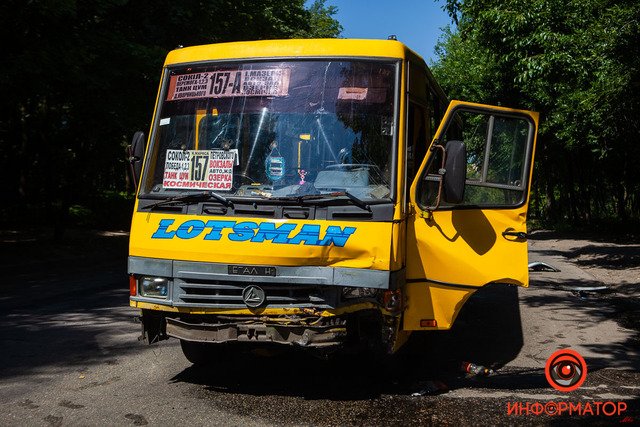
x: 228, y: 294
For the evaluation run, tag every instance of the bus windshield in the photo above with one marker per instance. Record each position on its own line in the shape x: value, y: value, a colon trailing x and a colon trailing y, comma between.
x: 275, y: 129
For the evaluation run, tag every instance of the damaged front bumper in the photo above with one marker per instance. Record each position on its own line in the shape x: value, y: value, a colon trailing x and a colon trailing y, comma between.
x: 361, y: 324
x: 313, y: 336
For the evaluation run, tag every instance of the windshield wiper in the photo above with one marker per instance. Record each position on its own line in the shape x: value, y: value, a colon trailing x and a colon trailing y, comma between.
x: 219, y: 197
x: 327, y: 197
x: 192, y: 198
x: 356, y: 200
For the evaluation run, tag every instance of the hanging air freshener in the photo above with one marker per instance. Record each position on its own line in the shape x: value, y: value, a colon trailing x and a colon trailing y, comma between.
x: 274, y: 163
x: 303, y: 174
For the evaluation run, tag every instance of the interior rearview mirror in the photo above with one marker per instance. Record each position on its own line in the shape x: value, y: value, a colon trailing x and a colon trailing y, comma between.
x: 455, y: 172
x: 136, y: 153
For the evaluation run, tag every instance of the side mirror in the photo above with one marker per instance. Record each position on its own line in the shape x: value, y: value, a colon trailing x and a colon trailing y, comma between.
x: 456, y: 172
x: 136, y: 153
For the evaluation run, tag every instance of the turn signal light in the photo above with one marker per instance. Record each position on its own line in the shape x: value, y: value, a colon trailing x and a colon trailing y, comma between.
x: 133, y: 286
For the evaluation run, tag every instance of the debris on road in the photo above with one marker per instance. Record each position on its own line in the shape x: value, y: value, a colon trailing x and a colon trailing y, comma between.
x: 584, y: 292
x: 475, y: 370
x: 542, y: 266
x: 431, y: 388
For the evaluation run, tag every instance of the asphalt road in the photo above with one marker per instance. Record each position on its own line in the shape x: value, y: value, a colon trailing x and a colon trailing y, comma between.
x: 70, y: 356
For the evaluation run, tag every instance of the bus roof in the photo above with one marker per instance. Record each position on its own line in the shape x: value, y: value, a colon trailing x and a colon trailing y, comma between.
x: 292, y: 48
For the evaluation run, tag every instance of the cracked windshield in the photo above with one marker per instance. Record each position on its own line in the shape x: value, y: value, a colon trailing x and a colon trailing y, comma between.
x: 276, y: 129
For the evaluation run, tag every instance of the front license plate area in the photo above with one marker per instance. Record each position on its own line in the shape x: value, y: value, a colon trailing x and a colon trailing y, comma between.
x: 252, y: 270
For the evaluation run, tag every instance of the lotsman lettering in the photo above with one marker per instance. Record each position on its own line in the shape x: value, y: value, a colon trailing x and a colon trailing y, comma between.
x: 216, y: 228
x: 243, y: 231
x: 309, y: 234
x: 161, y: 232
x: 190, y: 229
x: 337, y: 236
x: 269, y: 231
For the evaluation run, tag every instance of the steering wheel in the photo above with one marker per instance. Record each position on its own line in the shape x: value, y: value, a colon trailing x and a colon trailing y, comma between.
x: 237, y: 183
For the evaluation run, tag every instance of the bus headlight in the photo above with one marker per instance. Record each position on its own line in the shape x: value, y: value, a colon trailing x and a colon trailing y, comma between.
x: 154, y: 287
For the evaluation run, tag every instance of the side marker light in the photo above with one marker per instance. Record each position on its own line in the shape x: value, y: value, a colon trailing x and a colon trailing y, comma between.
x: 428, y: 323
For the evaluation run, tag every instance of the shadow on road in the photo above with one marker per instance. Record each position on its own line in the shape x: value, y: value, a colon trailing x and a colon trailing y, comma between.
x: 586, y: 310
x: 604, y: 251
x: 76, y: 333
x: 610, y: 257
x: 63, y: 304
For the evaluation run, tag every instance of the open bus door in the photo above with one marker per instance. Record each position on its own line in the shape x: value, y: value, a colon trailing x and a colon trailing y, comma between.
x: 460, y: 239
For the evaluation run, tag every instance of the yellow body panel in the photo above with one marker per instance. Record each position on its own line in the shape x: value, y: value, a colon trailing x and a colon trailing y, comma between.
x: 370, y: 246
x: 267, y: 49
x: 432, y: 302
x: 452, y: 252
x: 466, y: 247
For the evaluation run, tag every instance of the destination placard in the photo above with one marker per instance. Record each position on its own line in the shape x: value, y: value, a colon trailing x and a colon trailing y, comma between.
x: 229, y: 83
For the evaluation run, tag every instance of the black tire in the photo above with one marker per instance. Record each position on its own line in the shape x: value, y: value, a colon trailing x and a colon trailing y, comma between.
x: 203, y: 354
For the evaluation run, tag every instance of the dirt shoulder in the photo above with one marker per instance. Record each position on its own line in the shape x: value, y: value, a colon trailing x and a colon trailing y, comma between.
x: 608, y: 265
x: 609, y: 260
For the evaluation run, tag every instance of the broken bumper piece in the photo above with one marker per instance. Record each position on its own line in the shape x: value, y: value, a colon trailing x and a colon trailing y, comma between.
x: 297, y: 335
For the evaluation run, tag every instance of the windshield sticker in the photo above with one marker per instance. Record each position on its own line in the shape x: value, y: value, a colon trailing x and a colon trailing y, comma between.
x: 373, y: 95
x: 355, y: 93
x: 224, y: 84
x: 200, y: 169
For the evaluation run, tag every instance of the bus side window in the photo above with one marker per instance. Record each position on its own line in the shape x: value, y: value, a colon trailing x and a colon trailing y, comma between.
x: 437, y: 112
x: 497, y: 160
x: 416, y: 140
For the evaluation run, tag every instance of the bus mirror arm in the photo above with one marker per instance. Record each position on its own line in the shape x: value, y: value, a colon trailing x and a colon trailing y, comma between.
x: 452, y: 173
x: 136, y: 153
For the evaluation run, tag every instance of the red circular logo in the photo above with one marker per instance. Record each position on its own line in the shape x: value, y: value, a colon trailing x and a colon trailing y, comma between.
x: 565, y: 370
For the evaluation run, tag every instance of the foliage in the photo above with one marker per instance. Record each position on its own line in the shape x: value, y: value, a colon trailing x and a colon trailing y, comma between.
x: 80, y: 76
x: 577, y: 62
x: 321, y: 23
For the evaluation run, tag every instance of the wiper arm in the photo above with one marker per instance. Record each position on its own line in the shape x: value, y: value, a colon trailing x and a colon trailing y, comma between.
x: 325, y: 198
x: 219, y: 197
x: 192, y: 197
x: 356, y: 200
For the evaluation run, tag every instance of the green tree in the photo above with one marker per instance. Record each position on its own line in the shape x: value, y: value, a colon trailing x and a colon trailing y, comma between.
x: 577, y: 62
x: 80, y: 76
x: 321, y: 23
